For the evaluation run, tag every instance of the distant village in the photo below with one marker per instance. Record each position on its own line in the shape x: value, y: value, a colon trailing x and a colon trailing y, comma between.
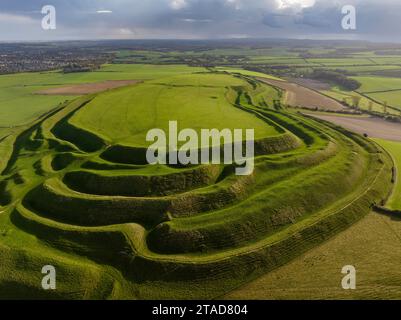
x: 15, y: 58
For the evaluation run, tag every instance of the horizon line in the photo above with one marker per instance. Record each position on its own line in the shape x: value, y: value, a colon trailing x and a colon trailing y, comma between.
x: 199, y: 40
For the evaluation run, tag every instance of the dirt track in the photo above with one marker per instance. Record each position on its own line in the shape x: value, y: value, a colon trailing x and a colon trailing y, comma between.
x: 86, y: 88
x: 373, y: 127
x: 298, y: 96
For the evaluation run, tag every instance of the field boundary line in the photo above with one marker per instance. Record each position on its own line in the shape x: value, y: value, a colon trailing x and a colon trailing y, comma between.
x: 381, y: 91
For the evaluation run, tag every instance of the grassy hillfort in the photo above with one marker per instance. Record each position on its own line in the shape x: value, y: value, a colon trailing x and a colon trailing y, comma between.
x: 76, y: 191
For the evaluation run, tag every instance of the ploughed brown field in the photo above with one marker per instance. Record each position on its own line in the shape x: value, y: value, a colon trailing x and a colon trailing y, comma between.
x: 300, y: 96
x: 87, y: 88
x: 372, y: 126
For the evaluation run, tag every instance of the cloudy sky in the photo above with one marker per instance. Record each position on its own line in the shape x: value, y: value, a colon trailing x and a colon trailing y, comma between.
x: 199, y: 19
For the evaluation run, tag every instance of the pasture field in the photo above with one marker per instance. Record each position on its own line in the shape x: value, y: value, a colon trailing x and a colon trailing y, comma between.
x: 366, y: 69
x: 265, y: 53
x: 278, y: 61
x: 375, y: 90
x: 20, y: 103
x: 341, y: 62
x: 175, y: 232
x: 203, y: 96
x: 387, y: 60
x: 376, y: 84
x: 365, y: 103
x: 376, y: 71
x: 392, y: 98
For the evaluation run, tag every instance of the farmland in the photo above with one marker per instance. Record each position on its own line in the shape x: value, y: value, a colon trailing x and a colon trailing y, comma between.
x: 77, y: 192
x: 303, y: 97
x: 20, y: 102
x: 220, y: 234
x: 372, y: 127
x: 377, y: 69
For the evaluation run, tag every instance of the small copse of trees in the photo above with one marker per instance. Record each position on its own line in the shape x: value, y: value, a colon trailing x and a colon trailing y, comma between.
x: 336, y: 78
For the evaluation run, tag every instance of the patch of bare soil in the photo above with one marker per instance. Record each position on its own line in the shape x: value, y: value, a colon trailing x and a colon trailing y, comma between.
x: 299, y: 96
x: 87, y: 88
x: 372, y: 126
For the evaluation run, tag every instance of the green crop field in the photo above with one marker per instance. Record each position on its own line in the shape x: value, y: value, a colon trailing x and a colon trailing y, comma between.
x: 374, y: 84
x: 77, y: 193
x: 392, y: 98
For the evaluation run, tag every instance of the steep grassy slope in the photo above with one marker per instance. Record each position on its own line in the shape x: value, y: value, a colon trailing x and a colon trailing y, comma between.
x: 372, y: 246
x: 78, y: 192
x: 394, y: 148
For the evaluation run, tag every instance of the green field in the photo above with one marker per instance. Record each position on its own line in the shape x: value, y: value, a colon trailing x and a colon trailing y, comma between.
x: 394, y: 148
x: 77, y: 192
x: 392, y: 98
x: 362, y: 64
x: 372, y: 246
x: 365, y: 69
x: 341, y: 62
x: 245, y: 72
x: 174, y: 232
x: 374, y: 84
x: 19, y: 104
x: 364, y: 102
x: 203, y: 104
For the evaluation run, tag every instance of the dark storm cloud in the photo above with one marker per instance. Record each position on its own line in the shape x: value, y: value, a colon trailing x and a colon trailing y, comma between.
x: 20, y: 19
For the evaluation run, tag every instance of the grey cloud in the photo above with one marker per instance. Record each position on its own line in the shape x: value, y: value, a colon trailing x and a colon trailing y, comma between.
x: 198, y: 19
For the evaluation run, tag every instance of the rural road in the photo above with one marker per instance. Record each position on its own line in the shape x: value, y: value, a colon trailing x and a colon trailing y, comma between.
x: 372, y: 126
